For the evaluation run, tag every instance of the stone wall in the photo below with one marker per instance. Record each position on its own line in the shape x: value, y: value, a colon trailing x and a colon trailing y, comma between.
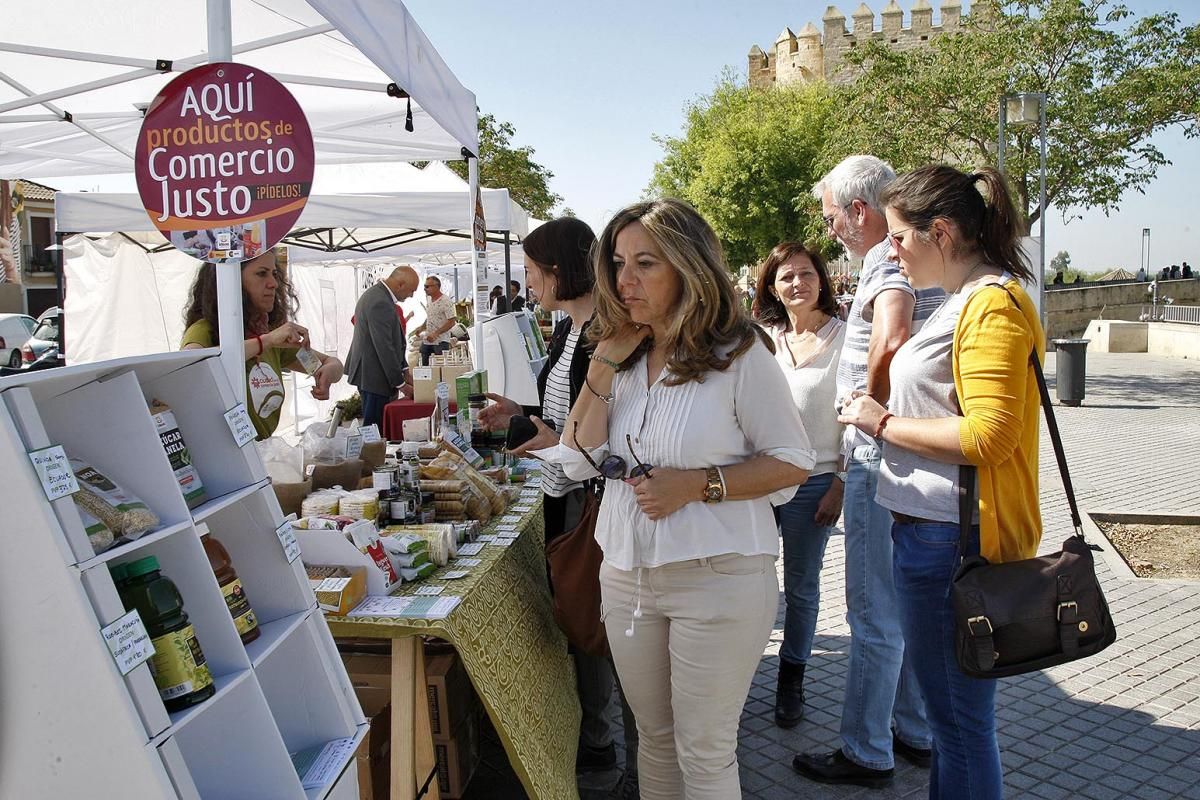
x: 817, y: 55
x: 1069, y: 310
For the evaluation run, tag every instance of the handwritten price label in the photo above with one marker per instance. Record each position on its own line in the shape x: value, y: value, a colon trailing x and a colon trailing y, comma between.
x: 128, y: 641
x: 54, y: 471
x: 240, y: 425
x: 287, y: 538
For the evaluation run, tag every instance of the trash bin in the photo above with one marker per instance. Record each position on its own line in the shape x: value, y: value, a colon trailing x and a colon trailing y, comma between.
x: 1070, y: 370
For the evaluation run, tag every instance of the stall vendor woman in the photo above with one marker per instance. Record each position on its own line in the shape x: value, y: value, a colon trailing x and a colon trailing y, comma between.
x: 271, y: 342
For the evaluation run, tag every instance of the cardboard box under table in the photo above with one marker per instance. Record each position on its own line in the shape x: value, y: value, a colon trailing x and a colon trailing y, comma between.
x: 516, y: 658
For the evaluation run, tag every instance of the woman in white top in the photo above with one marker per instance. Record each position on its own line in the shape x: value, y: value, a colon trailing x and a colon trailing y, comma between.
x: 796, y: 304
x: 691, y: 423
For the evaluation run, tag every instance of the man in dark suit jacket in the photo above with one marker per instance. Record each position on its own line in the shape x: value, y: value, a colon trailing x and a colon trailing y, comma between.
x: 376, y: 363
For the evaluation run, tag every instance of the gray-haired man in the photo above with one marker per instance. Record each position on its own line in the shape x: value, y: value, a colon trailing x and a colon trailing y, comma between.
x: 880, y: 685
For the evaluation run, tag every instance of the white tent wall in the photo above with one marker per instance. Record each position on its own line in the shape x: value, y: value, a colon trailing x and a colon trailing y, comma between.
x: 123, y: 301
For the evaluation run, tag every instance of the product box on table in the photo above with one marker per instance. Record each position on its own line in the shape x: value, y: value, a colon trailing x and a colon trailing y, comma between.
x: 469, y: 383
x: 425, y: 381
x: 457, y: 757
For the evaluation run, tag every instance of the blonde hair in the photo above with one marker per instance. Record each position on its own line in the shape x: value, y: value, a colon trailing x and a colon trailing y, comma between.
x: 708, y: 316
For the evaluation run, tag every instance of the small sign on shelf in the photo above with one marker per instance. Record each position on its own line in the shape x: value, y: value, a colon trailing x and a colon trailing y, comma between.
x: 128, y: 641
x: 287, y: 538
x: 240, y: 425
x: 54, y: 471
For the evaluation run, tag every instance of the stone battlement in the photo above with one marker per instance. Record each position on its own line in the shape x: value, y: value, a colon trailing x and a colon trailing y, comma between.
x: 817, y: 55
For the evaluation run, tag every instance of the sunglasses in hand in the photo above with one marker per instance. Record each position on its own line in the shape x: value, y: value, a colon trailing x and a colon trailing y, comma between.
x: 614, y: 467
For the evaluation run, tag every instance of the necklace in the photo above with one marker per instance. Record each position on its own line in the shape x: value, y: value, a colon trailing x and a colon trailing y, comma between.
x: 970, y: 272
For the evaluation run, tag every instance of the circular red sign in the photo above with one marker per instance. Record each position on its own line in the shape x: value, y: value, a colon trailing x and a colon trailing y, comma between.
x: 224, y: 162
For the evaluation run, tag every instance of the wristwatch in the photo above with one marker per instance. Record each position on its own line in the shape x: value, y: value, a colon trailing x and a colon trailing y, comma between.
x: 714, y: 490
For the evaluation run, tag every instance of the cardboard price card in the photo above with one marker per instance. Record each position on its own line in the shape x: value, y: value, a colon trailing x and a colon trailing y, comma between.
x: 240, y: 425
x: 224, y: 162
x: 54, y: 471
x: 128, y: 641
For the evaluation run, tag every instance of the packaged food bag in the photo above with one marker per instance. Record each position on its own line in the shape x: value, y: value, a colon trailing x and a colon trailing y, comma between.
x: 176, y: 450
x: 123, y: 513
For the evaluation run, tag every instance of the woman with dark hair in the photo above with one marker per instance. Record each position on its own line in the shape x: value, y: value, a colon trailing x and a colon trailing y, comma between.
x: 494, y: 298
x: 963, y: 393
x: 558, y: 268
x: 796, y: 304
x: 271, y: 340
x: 689, y: 421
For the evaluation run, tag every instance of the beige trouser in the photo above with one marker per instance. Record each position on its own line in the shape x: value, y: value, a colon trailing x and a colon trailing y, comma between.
x: 687, y: 668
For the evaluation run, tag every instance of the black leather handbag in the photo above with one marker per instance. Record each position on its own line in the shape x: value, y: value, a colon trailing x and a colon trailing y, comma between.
x: 1027, y: 615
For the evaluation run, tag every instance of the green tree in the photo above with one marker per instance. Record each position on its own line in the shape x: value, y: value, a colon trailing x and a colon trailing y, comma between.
x: 1060, y: 262
x: 1112, y: 82
x: 746, y: 160
x: 504, y: 166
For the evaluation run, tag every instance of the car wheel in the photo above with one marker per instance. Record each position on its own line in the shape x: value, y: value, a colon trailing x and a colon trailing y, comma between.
x: 14, y: 360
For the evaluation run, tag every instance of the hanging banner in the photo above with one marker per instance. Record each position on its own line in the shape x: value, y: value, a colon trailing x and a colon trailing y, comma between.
x: 479, y: 242
x: 224, y: 162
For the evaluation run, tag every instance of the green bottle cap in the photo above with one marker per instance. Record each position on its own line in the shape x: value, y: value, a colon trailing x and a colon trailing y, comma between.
x: 120, y: 573
x: 143, y: 566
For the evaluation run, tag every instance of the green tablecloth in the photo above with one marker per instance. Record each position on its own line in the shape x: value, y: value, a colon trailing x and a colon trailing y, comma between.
x: 505, y: 633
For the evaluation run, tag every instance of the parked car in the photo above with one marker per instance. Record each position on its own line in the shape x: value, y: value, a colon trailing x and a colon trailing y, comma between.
x: 45, y: 337
x: 15, y: 330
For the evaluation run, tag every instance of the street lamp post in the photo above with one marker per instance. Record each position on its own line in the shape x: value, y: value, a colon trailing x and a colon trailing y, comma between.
x: 1026, y: 108
x: 1145, y: 262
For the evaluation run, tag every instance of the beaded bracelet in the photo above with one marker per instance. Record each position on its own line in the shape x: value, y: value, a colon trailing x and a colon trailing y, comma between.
x: 608, y: 362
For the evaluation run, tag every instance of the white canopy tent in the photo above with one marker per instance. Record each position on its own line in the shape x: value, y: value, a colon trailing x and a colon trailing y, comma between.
x: 372, y: 86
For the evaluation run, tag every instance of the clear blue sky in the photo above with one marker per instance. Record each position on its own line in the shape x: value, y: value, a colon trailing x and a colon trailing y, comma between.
x: 588, y: 84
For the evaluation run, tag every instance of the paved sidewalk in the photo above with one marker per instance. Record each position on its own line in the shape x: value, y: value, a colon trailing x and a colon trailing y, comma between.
x: 1124, y: 724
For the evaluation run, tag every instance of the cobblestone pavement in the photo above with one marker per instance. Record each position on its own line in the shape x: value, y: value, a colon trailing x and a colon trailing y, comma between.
x: 1124, y: 724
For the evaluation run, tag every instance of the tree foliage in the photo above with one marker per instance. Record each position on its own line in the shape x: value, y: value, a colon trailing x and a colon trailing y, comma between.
x: 1061, y: 261
x: 746, y: 160
x: 1112, y: 82
x: 505, y: 166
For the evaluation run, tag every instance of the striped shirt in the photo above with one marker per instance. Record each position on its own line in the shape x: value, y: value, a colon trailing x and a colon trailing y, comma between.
x: 878, y: 275
x: 555, y: 406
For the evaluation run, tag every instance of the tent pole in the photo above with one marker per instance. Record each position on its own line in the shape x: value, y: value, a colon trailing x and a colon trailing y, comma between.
x: 230, y: 326
x: 61, y: 280
x: 478, y: 261
x: 508, y: 270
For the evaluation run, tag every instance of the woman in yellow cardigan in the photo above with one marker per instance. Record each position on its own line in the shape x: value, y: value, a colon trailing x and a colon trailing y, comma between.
x: 959, y: 232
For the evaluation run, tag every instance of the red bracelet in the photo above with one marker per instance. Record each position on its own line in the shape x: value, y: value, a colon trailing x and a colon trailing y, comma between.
x: 883, y: 421
x: 261, y: 348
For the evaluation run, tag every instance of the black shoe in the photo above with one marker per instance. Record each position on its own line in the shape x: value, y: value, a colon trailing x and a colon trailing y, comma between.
x: 595, y: 759
x: 789, y: 695
x: 836, y: 768
x: 917, y: 756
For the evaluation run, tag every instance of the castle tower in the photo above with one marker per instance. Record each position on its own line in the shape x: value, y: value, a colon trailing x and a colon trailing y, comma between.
x: 785, y: 51
x: 922, y: 18
x: 952, y: 15
x: 810, y: 57
x: 864, y: 22
x: 759, y: 68
x: 893, y: 19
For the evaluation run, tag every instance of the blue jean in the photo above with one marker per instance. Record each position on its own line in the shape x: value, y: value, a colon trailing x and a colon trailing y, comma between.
x: 372, y: 408
x: 962, y: 710
x: 880, y: 682
x: 803, y: 551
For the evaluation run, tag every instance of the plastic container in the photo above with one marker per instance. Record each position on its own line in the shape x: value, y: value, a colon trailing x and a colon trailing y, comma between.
x: 231, y: 586
x: 180, y: 670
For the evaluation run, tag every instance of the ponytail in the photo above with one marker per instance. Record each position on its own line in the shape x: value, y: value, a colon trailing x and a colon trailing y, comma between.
x: 1000, y: 232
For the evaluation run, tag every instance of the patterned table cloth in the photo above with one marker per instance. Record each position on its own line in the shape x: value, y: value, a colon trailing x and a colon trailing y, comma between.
x: 516, y: 656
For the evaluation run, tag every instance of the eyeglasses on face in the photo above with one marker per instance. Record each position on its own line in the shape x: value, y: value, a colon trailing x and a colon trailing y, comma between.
x: 894, y: 239
x: 614, y: 467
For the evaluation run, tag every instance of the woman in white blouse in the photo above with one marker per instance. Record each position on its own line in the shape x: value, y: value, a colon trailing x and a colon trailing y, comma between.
x: 796, y: 304
x: 687, y: 416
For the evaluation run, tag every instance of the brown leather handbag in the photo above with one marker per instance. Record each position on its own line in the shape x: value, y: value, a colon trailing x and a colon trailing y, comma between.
x: 1022, y: 616
x: 574, y: 560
